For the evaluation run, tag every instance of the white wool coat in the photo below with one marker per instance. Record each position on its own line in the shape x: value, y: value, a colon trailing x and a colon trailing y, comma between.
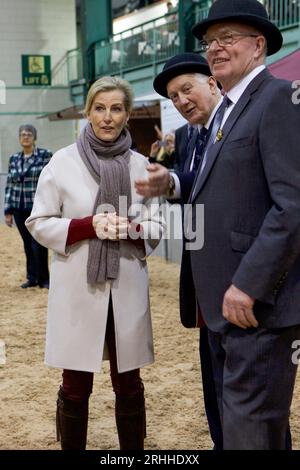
x: 77, y: 311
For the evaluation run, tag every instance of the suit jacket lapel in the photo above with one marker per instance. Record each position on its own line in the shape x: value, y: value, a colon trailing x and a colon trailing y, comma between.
x: 232, y: 118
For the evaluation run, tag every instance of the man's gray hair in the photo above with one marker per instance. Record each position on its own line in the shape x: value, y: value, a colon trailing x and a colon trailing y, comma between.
x: 204, y: 78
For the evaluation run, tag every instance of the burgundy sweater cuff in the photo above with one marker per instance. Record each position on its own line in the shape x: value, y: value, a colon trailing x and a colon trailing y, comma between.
x: 83, y: 229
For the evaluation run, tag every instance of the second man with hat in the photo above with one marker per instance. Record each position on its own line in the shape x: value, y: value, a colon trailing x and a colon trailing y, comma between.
x: 186, y: 80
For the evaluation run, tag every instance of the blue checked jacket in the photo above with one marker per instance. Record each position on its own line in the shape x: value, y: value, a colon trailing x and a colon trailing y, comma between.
x: 23, y: 178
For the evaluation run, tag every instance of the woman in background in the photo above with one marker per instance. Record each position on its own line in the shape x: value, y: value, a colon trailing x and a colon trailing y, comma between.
x: 23, y: 173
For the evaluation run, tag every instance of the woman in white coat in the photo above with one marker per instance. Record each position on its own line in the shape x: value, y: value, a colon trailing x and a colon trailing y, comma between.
x: 100, y: 230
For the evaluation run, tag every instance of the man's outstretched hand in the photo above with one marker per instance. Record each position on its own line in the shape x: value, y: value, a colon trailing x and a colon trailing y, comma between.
x: 157, y: 183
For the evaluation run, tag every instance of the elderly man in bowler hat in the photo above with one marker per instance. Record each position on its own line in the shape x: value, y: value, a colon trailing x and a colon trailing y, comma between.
x: 251, y: 302
x: 247, y: 275
x: 186, y: 79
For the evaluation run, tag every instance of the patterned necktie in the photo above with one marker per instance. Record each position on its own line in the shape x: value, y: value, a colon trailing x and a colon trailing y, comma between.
x: 191, y: 131
x: 199, y: 148
x: 216, y: 132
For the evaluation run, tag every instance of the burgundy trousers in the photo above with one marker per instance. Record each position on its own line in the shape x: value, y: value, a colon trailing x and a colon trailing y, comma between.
x: 78, y: 385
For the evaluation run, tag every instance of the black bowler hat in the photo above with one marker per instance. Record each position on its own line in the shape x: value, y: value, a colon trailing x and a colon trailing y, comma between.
x: 188, y: 62
x: 250, y: 12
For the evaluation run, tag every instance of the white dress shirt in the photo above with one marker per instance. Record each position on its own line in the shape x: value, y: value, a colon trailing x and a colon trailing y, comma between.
x: 234, y: 95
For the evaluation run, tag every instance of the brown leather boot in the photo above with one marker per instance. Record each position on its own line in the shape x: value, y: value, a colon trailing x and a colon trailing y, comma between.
x: 71, y: 422
x: 131, y: 421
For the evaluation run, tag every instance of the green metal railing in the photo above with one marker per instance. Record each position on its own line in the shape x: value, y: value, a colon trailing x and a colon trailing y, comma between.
x: 67, y: 69
x: 284, y: 13
x: 149, y: 43
x: 74, y: 65
x: 155, y: 41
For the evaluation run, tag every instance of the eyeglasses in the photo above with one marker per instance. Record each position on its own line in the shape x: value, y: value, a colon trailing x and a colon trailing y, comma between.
x: 225, y: 40
x: 26, y: 134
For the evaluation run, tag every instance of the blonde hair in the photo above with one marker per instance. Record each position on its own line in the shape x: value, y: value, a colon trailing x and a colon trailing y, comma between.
x: 108, y: 83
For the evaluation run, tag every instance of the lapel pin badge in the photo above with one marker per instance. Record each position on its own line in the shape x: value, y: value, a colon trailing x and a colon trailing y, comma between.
x: 219, y: 135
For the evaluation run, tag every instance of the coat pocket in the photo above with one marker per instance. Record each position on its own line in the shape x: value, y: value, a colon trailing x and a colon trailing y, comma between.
x: 241, y: 241
x: 239, y: 143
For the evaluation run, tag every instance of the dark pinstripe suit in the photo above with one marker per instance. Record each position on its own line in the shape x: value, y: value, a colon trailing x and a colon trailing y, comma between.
x: 250, y: 188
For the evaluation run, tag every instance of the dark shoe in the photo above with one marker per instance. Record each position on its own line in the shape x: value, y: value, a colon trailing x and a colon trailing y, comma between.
x: 28, y: 284
x: 44, y: 285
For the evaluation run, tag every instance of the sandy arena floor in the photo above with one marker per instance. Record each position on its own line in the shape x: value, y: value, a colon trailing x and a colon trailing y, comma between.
x: 175, y: 411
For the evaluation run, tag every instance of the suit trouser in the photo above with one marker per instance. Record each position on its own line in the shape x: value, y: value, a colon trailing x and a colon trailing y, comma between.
x: 36, y: 254
x: 209, y: 391
x: 255, y: 376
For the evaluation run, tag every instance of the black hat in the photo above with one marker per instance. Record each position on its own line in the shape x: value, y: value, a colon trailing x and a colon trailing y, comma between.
x: 188, y: 62
x: 249, y: 12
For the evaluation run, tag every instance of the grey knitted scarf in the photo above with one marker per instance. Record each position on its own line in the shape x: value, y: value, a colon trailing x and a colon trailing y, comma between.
x: 107, y: 162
